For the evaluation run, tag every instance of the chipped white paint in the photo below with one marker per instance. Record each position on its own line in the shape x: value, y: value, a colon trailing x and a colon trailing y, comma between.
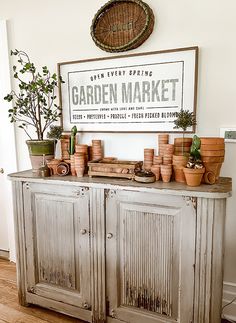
x: 120, y: 254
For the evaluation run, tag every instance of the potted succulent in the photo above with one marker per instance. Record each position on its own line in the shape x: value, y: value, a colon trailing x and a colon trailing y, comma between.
x: 184, y: 120
x: 34, y: 105
x: 194, y: 169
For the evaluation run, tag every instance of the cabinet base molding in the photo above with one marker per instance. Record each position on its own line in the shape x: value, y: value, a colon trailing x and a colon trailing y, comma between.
x: 59, y: 307
x: 229, y: 293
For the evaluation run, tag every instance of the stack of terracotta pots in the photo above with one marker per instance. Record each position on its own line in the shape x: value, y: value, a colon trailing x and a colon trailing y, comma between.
x: 182, y: 146
x: 72, y: 165
x: 96, y: 151
x: 65, y: 146
x: 163, y: 139
x: 82, y: 149
x: 179, y: 162
x: 148, y: 158
x: 156, y: 166
x: 80, y: 164
x: 212, y: 153
x: 180, y: 157
x: 52, y: 164
x: 166, y: 173
x: 168, y: 151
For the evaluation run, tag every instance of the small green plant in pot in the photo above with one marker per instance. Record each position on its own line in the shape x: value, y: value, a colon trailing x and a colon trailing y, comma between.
x: 185, y: 119
x: 34, y: 105
x: 194, y: 170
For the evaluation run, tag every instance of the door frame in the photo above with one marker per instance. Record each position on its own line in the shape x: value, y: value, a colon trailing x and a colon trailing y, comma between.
x: 8, y: 165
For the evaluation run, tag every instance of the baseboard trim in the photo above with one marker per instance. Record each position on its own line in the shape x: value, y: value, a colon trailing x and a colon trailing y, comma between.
x: 4, y: 254
x: 229, y: 293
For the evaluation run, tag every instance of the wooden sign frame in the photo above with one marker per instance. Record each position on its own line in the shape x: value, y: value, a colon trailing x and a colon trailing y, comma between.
x: 129, y: 93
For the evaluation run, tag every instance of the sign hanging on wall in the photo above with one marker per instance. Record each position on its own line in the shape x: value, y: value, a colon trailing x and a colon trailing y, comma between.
x: 132, y: 93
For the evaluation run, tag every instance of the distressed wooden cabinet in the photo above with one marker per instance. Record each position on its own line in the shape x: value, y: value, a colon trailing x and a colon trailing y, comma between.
x: 106, y: 250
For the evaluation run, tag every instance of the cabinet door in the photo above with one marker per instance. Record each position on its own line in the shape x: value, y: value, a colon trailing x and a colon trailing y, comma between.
x: 150, y: 255
x: 57, y: 245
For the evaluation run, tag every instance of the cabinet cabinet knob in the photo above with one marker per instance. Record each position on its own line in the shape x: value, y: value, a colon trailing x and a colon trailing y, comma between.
x: 86, y: 306
x: 1, y: 170
x: 109, y: 235
x: 83, y: 231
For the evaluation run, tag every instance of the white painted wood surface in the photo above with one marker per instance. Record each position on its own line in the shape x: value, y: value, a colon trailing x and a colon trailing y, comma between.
x: 128, y: 255
x: 7, y: 148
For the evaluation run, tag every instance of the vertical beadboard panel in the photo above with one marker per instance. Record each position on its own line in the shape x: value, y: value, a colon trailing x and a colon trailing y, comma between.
x: 97, y: 227
x: 20, y: 240
x: 209, y: 260
x: 147, y: 250
x: 54, y: 224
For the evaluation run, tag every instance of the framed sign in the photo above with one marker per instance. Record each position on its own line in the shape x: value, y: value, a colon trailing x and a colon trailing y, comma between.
x: 131, y: 93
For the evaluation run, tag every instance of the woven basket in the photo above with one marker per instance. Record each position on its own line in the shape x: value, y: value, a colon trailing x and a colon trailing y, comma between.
x: 122, y: 25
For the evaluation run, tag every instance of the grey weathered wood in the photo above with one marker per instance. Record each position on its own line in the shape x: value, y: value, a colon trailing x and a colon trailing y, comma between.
x: 150, y: 253
x: 209, y: 260
x: 97, y: 233
x: 20, y: 241
x: 220, y: 190
x: 58, y: 263
x: 82, y: 243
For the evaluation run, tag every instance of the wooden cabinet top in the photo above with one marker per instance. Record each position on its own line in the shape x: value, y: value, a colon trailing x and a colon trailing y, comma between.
x: 220, y: 190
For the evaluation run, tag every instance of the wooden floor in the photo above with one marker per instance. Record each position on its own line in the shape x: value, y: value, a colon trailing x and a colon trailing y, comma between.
x: 12, y: 312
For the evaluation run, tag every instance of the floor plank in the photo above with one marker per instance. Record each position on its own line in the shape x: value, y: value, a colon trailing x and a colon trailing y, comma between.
x: 12, y: 312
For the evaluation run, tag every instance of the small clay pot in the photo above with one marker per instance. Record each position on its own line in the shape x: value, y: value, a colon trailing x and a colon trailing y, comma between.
x: 179, y: 174
x: 166, y: 172
x: 193, y: 176
x: 63, y: 169
x: 79, y: 171
x: 213, y: 168
x: 209, y: 178
x: 156, y: 169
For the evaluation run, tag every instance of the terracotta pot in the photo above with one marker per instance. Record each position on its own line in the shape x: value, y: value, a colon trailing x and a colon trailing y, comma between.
x: 212, y: 140
x: 212, y: 153
x: 180, y: 160
x: 193, y: 176
x: 213, y: 168
x: 166, y: 172
x: 183, y: 141
x: 156, y: 169
x: 79, y: 171
x: 213, y: 159
x: 179, y: 174
x: 213, y: 147
x: 157, y: 160
x: 209, y: 178
x: 38, y: 148
x: 63, y: 169
x: 52, y: 164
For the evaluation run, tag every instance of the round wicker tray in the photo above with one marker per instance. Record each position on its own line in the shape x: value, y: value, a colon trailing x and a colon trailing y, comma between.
x: 121, y: 25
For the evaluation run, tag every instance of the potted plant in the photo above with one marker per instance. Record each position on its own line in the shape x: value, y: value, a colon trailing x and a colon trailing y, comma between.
x: 194, y: 169
x: 34, y: 105
x: 184, y: 120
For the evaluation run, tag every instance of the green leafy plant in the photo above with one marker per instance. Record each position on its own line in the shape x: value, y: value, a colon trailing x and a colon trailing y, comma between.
x: 195, y: 161
x: 184, y: 120
x: 55, y: 132
x: 34, y: 105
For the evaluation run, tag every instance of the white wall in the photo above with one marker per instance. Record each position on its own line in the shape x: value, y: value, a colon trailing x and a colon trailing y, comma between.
x: 55, y: 31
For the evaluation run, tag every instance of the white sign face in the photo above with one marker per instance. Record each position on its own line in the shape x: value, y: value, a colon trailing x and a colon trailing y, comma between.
x: 139, y: 93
